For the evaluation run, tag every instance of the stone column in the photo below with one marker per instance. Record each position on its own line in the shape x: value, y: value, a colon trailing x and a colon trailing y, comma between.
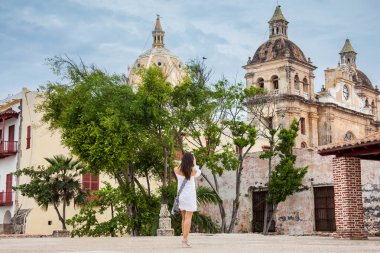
x: 165, y: 223
x: 348, y: 198
x: 313, y: 129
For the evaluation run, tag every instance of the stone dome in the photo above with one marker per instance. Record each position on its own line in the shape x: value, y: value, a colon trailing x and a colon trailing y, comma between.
x: 361, y: 79
x: 276, y: 49
x: 158, y: 55
x: 170, y: 64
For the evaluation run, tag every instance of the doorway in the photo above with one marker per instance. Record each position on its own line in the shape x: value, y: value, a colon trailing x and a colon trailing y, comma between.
x: 324, y: 208
x: 258, y: 210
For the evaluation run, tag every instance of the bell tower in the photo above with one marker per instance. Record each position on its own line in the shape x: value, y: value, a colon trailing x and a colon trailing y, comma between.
x: 158, y: 34
x: 348, y: 54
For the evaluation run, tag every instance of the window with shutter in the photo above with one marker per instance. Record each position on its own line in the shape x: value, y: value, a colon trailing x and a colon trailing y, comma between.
x: 8, y: 191
x: 90, y: 183
x: 302, y: 125
x: 28, y: 136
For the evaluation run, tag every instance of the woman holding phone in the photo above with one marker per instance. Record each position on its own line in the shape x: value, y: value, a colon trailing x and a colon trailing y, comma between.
x: 187, y: 170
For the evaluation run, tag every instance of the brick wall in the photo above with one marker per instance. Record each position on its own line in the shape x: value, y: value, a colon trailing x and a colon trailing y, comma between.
x: 348, y: 198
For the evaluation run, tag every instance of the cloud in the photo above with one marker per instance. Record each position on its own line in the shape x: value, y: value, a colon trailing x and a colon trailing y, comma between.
x: 38, y: 19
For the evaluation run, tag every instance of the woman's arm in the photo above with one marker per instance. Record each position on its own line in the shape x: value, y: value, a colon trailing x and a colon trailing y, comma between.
x: 197, y: 171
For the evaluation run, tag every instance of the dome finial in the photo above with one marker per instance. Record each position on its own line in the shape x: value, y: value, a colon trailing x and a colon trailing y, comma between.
x: 158, y: 34
x: 277, y: 15
x: 347, y: 47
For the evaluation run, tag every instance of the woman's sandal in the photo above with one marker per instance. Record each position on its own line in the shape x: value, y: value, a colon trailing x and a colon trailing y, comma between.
x: 186, y: 244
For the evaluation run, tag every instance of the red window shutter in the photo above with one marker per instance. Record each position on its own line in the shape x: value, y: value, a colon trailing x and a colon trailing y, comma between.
x: 8, y: 190
x: 94, y: 183
x: 86, y: 181
x: 90, y: 182
x: 28, y: 136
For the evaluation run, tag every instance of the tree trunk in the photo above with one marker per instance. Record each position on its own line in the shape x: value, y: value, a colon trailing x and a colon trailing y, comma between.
x: 236, y: 202
x: 271, y: 217
x: 147, y: 182
x: 222, y: 211
x: 266, y: 225
x: 131, y: 207
x: 64, y: 215
x: 223, y: 228
x: 60, y: 217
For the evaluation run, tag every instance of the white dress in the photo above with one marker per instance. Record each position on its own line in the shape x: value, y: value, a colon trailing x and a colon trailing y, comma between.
x: 188, y: 197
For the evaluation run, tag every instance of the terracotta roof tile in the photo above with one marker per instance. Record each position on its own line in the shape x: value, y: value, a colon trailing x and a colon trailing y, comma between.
x: 375, y: 137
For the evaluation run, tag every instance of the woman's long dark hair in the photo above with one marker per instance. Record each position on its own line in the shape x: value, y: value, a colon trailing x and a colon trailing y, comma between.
x: 187, y: 164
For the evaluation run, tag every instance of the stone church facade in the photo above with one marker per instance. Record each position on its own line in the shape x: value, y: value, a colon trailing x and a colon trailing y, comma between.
x: 346, y: 108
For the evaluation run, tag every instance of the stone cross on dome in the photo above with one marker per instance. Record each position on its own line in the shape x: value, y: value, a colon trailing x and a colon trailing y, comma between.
x: 158, y: 34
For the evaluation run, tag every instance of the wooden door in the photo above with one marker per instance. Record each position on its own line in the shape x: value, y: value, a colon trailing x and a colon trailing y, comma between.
x: 324, y: 208
x: 11, y: 138
x: 258, y: 210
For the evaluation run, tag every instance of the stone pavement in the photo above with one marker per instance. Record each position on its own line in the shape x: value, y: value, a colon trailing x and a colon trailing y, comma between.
x: 235, y: 243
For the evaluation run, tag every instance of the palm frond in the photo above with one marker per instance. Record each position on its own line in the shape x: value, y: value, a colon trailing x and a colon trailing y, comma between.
x: 203, y: 224
x: 206, y: 196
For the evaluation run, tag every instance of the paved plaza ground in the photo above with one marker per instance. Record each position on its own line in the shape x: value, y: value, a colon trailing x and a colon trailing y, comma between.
x: 235, y: 243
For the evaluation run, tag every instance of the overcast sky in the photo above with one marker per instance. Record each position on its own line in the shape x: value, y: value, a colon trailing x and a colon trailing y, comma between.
x: 111, y: 34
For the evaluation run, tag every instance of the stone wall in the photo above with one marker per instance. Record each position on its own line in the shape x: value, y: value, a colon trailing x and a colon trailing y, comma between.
x: 295, y: 216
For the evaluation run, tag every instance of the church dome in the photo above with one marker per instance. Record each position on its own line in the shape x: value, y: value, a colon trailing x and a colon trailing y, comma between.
x: 278, y: 46
x: 158, y: 55
x: 361, y: 79
x: 348, y: 58
x: 276, y: 49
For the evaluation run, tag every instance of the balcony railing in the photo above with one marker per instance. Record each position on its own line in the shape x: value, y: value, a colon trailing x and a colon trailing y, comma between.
x: 6, y: 198
x: 8, y: 148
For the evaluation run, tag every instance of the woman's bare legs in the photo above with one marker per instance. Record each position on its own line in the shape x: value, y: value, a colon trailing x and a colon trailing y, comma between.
x: 187, y: 225
x: 183, y: 213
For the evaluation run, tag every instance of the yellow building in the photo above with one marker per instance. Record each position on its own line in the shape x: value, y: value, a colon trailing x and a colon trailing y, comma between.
x: 35, y: 143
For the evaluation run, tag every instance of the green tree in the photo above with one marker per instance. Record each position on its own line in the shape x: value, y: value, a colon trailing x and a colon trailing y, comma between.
x: 219, y: 134
x: 115, y: 131
x: 94, y: 111
x: 285, y: 179
x: 57, y: 184
x: 152, y: 109
x: 110, y: 200
x: 262, y: 108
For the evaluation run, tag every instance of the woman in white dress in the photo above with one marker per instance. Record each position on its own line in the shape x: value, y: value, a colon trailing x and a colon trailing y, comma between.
x: 188, y: 198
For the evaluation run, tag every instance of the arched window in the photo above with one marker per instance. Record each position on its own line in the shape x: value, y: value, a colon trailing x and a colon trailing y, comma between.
x: 366, y: 102
x: 349, y: 136
x: 373, y: 104
x: 275, y: 82
x: 303, y: 145
x: 305, y: 85
x: 296, y: 82
x: 260, y: 82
